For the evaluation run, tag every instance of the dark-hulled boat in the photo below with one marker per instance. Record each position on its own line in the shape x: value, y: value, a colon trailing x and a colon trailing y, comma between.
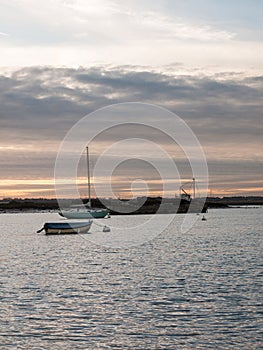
x: 60, y: 228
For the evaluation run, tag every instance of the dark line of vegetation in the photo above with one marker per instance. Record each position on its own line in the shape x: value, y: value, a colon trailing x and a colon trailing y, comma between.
x: 151, y: 204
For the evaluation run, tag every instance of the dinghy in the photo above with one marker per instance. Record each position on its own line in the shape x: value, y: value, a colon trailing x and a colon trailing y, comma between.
x: 60, y: 228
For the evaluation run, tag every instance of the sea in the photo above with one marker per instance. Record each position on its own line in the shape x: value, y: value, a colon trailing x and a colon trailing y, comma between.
x: 199, y: 288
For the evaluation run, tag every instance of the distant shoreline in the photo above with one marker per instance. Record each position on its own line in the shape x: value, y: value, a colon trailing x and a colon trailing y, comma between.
x: 150, y: 206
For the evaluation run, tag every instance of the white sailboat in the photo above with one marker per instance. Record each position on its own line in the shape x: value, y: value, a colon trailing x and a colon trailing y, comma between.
x: 85, y: 211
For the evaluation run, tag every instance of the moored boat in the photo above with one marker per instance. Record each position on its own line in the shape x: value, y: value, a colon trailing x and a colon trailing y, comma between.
x: 59, y: 228
x: 85, y: 211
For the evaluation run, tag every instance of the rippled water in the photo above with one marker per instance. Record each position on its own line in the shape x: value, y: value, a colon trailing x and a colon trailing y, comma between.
x: 197, y: 290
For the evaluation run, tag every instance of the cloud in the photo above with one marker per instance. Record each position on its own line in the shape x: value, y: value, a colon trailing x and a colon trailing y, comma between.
x: 78, y: 32
x: 202, y: 62
x: 37, y: 98
x: 97, y: 22
x: 40, y: 104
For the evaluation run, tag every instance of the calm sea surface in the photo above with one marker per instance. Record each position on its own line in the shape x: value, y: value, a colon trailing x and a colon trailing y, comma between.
x: 196, y: 290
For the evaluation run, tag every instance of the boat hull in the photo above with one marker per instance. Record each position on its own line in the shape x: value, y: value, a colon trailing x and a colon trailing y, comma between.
x: 53, y: 228
x: 93, y: 214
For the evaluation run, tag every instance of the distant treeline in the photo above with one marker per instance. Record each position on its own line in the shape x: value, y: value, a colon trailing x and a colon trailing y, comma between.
x: 52, y: 204
x: 214, y: 202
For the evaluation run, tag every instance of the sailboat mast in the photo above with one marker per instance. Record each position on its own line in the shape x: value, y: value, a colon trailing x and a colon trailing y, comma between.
x: 193, y: 188
x: 88, y: 170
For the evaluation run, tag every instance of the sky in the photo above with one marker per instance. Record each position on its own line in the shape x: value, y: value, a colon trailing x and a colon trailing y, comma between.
x: 63, y: 59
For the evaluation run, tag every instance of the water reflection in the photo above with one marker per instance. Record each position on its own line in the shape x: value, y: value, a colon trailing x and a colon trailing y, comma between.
x: 198, y: 290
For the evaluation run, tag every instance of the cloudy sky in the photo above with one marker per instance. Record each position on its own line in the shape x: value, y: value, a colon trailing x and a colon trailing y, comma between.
x: 63, y: 59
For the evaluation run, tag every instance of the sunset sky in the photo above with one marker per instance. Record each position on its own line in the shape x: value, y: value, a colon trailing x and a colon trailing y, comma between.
x: 63, y: 59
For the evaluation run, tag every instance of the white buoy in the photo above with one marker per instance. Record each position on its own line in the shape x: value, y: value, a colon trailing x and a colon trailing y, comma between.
x: 106, y: 229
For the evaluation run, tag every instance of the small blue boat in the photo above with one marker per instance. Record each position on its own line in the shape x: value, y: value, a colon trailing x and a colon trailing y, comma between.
x: 60, y: 228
